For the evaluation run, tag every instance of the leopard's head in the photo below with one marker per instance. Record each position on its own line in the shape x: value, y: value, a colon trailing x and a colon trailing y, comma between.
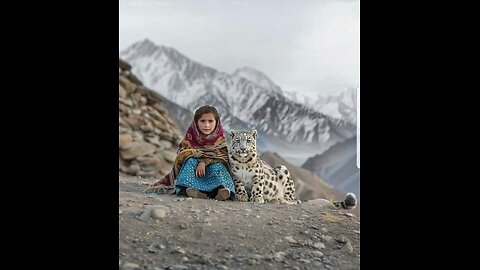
x: 243, y: 145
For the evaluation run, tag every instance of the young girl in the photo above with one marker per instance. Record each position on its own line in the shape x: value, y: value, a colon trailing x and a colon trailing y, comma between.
x: 201, y: 168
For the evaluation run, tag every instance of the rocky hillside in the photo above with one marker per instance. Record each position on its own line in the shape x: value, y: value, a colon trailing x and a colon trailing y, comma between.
x: 171, y: 232
x: 148, y: 137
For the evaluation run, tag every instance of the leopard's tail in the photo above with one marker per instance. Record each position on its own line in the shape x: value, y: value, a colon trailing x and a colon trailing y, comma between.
x: 349, y: 203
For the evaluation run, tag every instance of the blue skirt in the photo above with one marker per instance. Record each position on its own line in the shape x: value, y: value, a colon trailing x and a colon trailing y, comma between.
x: 216, y: 175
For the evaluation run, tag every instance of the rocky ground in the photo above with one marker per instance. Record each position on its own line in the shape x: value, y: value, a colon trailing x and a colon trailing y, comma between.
x: 170, y: 232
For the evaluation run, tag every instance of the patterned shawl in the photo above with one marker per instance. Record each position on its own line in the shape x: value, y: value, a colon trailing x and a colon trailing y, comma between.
x: 210, y: 148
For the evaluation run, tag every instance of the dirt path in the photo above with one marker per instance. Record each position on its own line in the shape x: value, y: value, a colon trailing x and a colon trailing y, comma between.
x: 190, y: 233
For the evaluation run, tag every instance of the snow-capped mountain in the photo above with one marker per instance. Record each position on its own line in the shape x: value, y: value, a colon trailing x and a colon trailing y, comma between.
x: 258, y: 77
x: 246, y: 99
x: 342, y: 106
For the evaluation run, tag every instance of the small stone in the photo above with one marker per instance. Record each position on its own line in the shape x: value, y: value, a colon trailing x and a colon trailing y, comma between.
x: 158, y: 213
x: 355, y: 231
x: 228, y: 256
x: 279, y: 256
x: 319, y: 245
x: 349, y: 214
x: 120, y: 211
x: 161, y: 246
x: 322, y: 202
x: 296, y: 254
x: 178, y: 267
x: 152, y: 249
x: 343, y: 240
x: 317, y: 253
x: 242, y: 235
x: 324, y: 230
x: 327, y: 238
x: 180, y: 250
x: 290, y: 239
x: 257, y: 256
x: 348, y: 247
x: 129, y: 265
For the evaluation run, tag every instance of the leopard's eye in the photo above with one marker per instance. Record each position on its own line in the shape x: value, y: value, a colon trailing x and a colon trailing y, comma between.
x: 249, y: 141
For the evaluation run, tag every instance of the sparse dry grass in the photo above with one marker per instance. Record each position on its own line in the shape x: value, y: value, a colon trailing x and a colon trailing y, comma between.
x: 330, y: 217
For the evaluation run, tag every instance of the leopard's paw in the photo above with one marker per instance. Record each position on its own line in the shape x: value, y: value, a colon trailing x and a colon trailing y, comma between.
x: 258, y: 200
x: 241, y: 197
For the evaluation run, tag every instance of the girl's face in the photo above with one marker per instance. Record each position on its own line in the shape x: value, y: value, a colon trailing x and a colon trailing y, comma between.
x: 206, y: 123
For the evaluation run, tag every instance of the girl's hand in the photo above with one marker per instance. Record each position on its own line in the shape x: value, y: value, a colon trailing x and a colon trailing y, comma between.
x: 200, y: 171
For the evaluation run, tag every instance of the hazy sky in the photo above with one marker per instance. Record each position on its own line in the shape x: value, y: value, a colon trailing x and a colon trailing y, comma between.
x: 305, y: 46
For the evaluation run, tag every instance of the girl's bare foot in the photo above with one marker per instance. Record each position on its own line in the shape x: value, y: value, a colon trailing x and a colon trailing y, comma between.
x: 222, y: 194
x: 195, y: 193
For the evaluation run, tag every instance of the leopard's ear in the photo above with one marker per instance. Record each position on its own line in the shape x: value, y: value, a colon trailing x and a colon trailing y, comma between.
x: 254, y: 133
x: 233, y: 132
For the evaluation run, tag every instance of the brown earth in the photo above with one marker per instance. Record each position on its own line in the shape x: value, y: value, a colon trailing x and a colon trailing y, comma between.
x: 186, y: 233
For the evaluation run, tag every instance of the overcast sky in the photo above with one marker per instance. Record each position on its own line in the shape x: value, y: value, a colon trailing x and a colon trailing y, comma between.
x: 306, y: 46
